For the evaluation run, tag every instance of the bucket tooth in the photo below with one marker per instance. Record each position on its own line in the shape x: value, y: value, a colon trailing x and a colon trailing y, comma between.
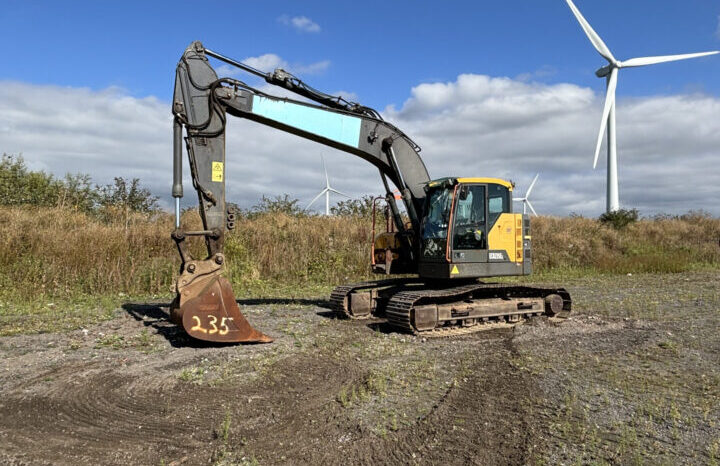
x: 207, y: 310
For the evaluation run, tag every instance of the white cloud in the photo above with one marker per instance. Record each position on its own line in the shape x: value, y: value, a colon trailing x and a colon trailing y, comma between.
x: 347, y: 95
x: 311, y: 68
x: 269, y: 61
x: 105, y: 133
x: 669, y: 147
x: 300, y: 23
x: 108, y: 133
x: 486, y: 126
x: 544, y: 71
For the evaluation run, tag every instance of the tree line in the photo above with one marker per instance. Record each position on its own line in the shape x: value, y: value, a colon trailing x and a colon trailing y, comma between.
x: 21, y: 186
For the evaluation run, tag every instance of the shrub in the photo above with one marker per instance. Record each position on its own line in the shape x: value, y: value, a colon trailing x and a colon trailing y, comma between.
x: 277, y: 205
x: 361, y: 207
x: 621, y: 218
x: 21, y: 186
x: 129, y: 196
x: 18, y: 185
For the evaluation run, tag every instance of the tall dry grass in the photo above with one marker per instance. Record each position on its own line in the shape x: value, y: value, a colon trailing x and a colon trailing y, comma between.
x: 279, y: 247
x: 55, y: 251
x: 60, y: 252
x: 649, y: 245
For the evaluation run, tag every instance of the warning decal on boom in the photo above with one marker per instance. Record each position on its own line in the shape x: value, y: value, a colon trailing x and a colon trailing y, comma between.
x: 217, y: 171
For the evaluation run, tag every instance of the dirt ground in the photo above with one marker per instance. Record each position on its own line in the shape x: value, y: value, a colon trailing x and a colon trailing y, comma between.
x: 632, y: 377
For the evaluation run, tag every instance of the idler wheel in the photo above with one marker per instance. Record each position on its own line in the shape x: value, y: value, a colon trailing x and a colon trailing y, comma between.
x: 553, y: 304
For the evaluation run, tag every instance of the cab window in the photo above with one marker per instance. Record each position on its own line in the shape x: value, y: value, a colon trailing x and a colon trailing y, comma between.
x: 435, y: 224
x: 469, y: 223
x: 498, y: 202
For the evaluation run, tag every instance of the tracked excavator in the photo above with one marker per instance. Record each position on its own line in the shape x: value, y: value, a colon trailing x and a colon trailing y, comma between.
x: 453, y: 231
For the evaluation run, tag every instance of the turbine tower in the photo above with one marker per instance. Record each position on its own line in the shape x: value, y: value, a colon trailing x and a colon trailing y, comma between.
x: 525, y: 200
x: 610, y: 72
x: 328, y: 189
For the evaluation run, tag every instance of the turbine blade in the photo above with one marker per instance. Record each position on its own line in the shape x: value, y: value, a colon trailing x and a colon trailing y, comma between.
x: 591, y: 34
x: 531, y: 208
x: 339, y: 192
x: 642, y: 61
x: 316, y: 198
x: 609, y: 103
x: 527, y: 194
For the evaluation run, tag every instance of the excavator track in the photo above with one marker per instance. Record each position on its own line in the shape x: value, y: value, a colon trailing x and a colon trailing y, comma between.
x: 341, y: 297
x: 466, y: 308
x: 402, y: 308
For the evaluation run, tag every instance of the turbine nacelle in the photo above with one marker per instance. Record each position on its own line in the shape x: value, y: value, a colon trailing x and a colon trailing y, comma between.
x: 606, y: 70
x: 525, y: 199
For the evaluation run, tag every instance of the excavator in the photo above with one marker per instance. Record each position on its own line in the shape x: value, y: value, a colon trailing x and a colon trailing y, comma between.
x: 451, y: 233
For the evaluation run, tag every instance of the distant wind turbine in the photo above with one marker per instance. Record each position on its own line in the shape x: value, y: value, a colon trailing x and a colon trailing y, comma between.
x: 525, y: 200
x: 328, y: 189
x: 610, y: 72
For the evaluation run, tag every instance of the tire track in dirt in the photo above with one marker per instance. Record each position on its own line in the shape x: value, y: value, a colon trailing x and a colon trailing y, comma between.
x: 141, y: 413
x: 86, y: 408
x: 482, y: 419
x: 293, y: 412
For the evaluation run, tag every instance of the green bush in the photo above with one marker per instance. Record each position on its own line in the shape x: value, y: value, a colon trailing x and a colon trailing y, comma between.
x: 129, y: 195
x: 277, y: 205
x: 621, y: 218
x: 21, y: 186
x: 18, y: 185
x: 361, y: 207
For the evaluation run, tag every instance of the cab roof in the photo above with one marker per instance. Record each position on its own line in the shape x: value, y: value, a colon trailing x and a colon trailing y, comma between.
x: 453, y: 181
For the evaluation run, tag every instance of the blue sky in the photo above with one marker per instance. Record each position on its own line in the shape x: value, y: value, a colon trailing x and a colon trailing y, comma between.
x: 378, y: 50
x: 487, y: 88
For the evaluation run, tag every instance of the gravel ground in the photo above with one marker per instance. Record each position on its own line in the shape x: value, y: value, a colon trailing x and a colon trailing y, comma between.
x: 633, y: 376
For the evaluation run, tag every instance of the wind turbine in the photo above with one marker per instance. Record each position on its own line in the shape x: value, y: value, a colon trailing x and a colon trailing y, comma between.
x: 610, y: 72
x: 328, y: 189
x: 525, y: 200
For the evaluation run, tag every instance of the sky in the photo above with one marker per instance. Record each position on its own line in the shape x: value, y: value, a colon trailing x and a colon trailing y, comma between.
x: 504, y: 89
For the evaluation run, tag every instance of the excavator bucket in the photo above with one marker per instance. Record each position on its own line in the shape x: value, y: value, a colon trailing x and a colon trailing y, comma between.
x: 207, y: 310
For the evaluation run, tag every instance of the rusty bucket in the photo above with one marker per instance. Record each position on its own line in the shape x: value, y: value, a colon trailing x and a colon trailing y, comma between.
x: 206, y: 308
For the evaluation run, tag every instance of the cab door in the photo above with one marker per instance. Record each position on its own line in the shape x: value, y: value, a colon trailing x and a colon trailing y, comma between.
x: 469, y: 233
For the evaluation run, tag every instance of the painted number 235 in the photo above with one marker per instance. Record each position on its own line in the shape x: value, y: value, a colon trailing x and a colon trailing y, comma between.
x: 222, y: 330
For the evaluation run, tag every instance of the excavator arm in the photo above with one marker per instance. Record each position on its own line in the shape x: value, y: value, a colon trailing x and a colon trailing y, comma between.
x: 205, y: 304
